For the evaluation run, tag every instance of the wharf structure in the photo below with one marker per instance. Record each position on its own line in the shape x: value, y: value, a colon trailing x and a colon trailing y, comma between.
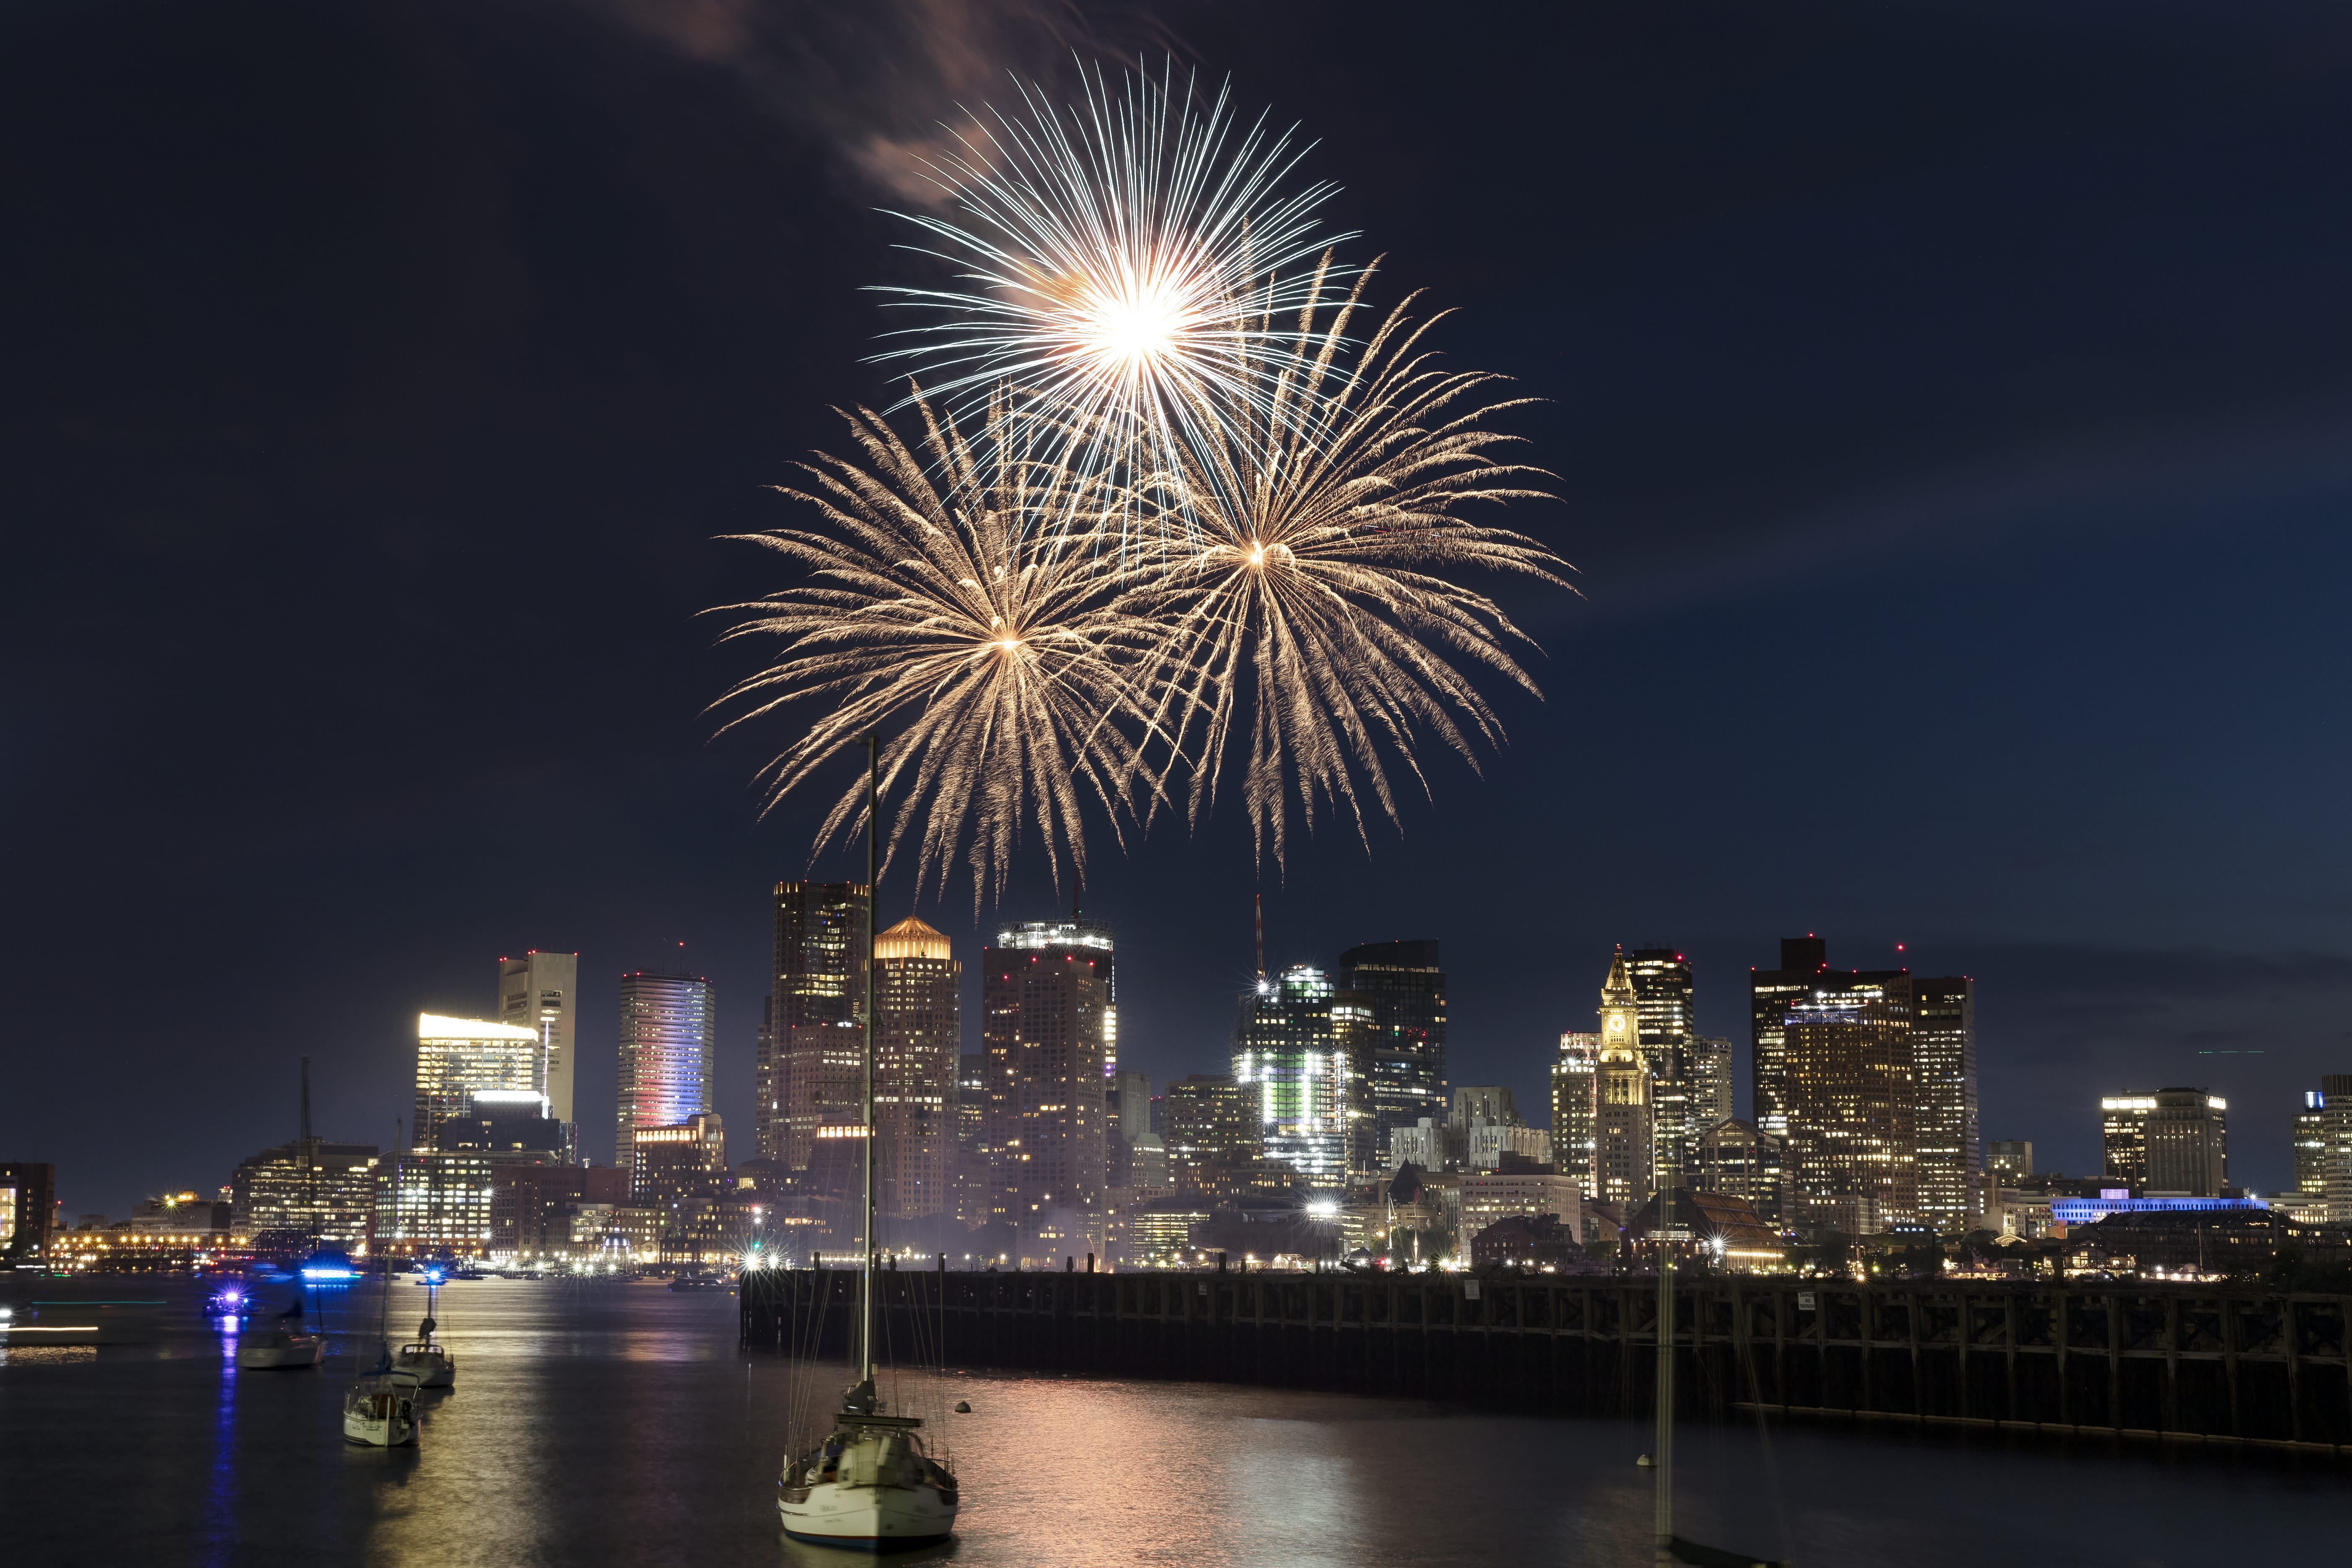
x: 2188, y: 1362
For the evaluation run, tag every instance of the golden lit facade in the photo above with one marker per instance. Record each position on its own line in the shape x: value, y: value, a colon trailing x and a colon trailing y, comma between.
x: 1661, y: 978
x: 430, y: 1201
x: 2172, y: 1142
x: 304, y: 1195
x: 919, y: 1029
x: 458, y: 1058
x: 1624, y: 1135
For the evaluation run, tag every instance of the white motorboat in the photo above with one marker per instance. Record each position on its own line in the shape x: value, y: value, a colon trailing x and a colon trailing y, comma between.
x: 870, y: 1485
x: 285, y: 1350
x: 380, y: 1410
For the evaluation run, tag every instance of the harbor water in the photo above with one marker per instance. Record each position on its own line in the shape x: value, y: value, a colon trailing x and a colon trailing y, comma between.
x: 607, y: 1422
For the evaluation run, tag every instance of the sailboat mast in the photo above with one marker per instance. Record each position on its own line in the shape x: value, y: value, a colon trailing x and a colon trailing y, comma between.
x: 1666, y: 1315
x: 873, y: 890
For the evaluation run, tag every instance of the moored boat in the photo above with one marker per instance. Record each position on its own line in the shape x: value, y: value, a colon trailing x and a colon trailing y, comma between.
x: 380, y: 1411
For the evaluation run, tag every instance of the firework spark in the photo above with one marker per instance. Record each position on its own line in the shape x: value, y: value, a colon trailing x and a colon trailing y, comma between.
x: 1308, y: 595
x: 1120, y: 265
x: 932, y: 604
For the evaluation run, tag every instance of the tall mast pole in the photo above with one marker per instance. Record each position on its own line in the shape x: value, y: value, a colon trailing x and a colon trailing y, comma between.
x: 1661, y: 1235
x: 873, y: 892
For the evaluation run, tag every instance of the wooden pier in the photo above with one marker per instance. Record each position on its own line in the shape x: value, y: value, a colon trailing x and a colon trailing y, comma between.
x: 2199, y: 1364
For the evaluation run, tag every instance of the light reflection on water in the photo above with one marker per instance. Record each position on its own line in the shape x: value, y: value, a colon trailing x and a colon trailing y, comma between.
x: 606, y: 1423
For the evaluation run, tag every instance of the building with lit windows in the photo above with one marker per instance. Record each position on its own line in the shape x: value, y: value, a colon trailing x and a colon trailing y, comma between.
x: 2009, y: 1160
x: 541, y: 991
x: 435, y: 1200
x: 813, y: 1071
x: 28, y: 1201
x: 669, y: 1040
x: 2323, y: 1150
x: 1292, y: 1054
x: 1805, y: 975
x: 1661, y: 979
x: 1212, y: 1132
x: 1943, y: 1070
x: 1490, y: 1196
x: 1736, y: 1158
x: 305, y: 1194
x: 920, y: 1027
x: 1850, y: 1099
x: 458, y: 1059
x: 1047, y: 994
x: 1624, y: 1160
x: 1575, y: 1103
x: 1401, y: 986
x: 2174, y: 1141
x: 1707, y: 1069
x: 973, y: 1164
x: 1156, y: 1233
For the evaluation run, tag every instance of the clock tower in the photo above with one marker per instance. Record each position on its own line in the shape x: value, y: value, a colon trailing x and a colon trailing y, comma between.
x: 1620, y: 1018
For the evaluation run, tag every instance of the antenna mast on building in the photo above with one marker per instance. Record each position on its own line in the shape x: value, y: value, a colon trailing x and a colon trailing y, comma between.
x: 1259, y: 900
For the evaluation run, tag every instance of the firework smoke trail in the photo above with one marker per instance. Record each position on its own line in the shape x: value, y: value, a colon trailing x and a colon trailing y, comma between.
x: 1121, y: 266
x: 998, y: 647
x: 1307, y: 597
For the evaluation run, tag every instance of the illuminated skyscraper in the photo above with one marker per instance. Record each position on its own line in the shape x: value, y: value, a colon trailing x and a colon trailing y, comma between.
x: 541, y: 990
x: 2172, y: 1142
x: 1625, y: 1141
x: 670, y: 1041
x: 1047, y: 994
x: 1804, y: 961
x: 1292, y: 1054
x: 1707, y: 1071
x: 973, y: 1163
x: 458, y: 1058
x: 1575, y: 1103
x: 2323, y: 1147
x: 1944, y: 1060
x: 1212, y: 1127
x: 1851, y: 1101
x: 816, y: 1052
x: 1402, y: 988
x: 1662, y: 991
x: 919, y: 1021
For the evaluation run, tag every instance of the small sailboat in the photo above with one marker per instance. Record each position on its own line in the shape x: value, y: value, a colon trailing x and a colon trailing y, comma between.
x: 380, y: 1411
x: 290, y: 1347
x: 429, y: 1360
x: 870, y: 1485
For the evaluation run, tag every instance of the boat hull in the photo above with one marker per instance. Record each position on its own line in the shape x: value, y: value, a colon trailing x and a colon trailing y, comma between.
x: 438, y: 1370
x: 380, y: 1412
x: 304, y: 1350
x: 867, y: 1517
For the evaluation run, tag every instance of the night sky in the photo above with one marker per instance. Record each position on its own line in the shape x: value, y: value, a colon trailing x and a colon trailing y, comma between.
x: 1952, y: 406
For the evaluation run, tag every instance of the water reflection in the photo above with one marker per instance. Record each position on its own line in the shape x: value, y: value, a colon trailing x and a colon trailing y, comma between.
x: 614, y: 1423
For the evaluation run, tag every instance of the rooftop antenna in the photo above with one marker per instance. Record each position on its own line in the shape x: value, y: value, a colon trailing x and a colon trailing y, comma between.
x: 1259, y: 900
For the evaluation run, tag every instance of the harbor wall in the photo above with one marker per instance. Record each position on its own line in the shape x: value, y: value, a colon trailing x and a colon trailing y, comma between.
x: 2186, y: 1363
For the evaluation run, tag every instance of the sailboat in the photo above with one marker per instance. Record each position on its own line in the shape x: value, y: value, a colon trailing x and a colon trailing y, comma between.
x: 380, y: 1411
x: 287, y: 1347
x: 431, y: 1362
x: 870, y: 1485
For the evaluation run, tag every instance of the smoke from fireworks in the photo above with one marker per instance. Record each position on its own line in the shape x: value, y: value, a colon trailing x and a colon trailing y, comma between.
x: 1306, y: 600
x: 1119, y: 265
x: 932, y: 603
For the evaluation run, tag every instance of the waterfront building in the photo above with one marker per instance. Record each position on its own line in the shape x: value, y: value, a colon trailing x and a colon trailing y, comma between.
x: 541, y: 991
x: 304, y: 1195
x: 1541, y: 1241
x: 2174, y: 1140
x: 1489, y: 1195
x: 1157, y: 1233
x: 1212, y: 1133
x: 1625, y: 1142
x: 816, y: 1053
x: 672, y: 1164
x: 1661, y: 979
x: 1850, y: 1101
x: 1291, y: 1055
x: 2010, y: 1160
x: 1575, y: 1103
x: 458, y: 1059
x: 1944, y: 1125
x: 28, y: 1205
x: 919, y: 1028
x: 1047, y: 1000
x: 435, y: 1200
x: 2323, y: 1150
x: 1719, y: 1228
x: 532, y: 1208
x: 670, y: 1041
x: 1737, y: 1157
x: 1401, y: 988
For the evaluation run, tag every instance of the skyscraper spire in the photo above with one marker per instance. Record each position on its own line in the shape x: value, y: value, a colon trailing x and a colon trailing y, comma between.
x: 1259, y: 900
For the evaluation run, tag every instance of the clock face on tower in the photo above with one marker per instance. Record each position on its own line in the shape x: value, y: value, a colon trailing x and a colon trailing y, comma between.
x: 1617, y: 1025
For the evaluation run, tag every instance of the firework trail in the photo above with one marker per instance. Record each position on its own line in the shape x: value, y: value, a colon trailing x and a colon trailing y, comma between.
x: 1308, y: 598
x: 930, y: 602
x: 1119, y: 265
